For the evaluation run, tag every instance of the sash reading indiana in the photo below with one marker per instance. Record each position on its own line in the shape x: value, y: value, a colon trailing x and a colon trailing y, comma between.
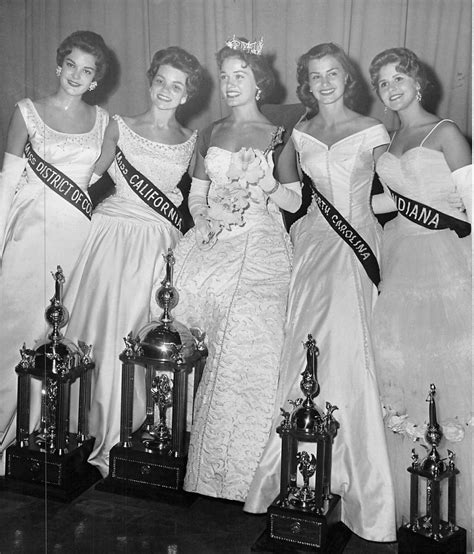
x: 58, y: 182
x: 345, y: 230
x: 148, y: 192
x: 429, y: 217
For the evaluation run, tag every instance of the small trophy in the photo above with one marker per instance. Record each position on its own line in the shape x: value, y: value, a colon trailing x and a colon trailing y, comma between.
x: 151, y: 461
x: 428, y: 532
x: 306, y: 512
x: 53, y: 455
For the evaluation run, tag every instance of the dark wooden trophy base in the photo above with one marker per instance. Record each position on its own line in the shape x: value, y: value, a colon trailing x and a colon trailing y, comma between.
x: 294, y: 530
x: 31, y: 470
x: 411, y: 542
x: 138, y: 471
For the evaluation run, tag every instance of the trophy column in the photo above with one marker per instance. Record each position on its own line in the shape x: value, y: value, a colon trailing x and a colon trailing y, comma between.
x: 306, y: 514
x: 429, y: 532
x: 151, y: 461
x: 53, y: 460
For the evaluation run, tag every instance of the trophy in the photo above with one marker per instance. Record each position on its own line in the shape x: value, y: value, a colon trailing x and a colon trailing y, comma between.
x: 53, y: 455
x: 306, y: 514
x: 428, y: 532
x: 151, y: 461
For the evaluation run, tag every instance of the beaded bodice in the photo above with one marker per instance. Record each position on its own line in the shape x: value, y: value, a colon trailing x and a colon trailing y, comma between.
x: 163, y: 164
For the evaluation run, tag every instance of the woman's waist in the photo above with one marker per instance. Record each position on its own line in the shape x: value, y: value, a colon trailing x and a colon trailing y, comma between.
x: 130, y: 209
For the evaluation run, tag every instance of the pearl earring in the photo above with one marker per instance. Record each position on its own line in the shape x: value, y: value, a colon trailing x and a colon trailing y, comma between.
x: 258, y: 94
x: 58, y: 71
x: 93, y: 86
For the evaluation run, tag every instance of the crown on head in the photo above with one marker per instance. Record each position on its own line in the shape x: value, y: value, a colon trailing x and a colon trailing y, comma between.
x: 255, y: 47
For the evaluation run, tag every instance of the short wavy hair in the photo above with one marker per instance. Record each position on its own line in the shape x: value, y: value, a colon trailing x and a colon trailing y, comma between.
x: 262, y: 72
x: 406, y: 61
x: 89, y: 42
x: 316, y: 53
x: 179, y: 59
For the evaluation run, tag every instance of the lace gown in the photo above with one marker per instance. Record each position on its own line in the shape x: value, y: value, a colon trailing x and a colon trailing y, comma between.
x: 236, y: 292
x: 332, y: 297
x: 110, y: 291
x: 43, y: 231
x: 422, y: 327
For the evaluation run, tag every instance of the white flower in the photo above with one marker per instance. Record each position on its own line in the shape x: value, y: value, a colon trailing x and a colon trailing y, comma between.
x: 453, y: 430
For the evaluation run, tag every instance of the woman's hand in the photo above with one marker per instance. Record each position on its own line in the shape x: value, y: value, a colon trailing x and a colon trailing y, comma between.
x: 267, y: 183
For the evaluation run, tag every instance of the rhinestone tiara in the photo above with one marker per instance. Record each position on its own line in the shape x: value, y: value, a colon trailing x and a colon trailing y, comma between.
x: 255, y: 47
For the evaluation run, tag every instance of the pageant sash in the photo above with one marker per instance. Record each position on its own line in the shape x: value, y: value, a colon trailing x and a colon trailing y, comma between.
x: 148, y: 192
x: 58, y: 182
x: 345, y: 230
x: 428, y: 217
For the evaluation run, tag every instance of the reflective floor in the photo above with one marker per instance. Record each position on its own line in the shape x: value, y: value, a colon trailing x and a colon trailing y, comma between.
x: 101, y: 522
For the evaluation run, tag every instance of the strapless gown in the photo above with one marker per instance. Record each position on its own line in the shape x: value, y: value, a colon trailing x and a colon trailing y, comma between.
x: 110, y: 291
x: 332, y: 298
x: 236, y: 292
x: 422, y: 328
x: 43, y: 231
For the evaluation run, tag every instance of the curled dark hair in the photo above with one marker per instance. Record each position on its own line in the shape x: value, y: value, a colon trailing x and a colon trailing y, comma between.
x: 89, y: 42
x: 264, y: 77
x: 406, y: 61
x: 316, y: 53
x: 179, y: 59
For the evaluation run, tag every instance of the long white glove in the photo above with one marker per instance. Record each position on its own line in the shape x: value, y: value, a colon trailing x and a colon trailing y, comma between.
x: 198, y: 208
x: 12, y: 170
x: 462, y: 178
x: 286, y: 196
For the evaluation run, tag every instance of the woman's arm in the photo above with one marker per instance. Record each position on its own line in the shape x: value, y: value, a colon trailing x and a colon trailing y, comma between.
x: 12, y: 167
x: 285, y: 191
x: 107, y: 153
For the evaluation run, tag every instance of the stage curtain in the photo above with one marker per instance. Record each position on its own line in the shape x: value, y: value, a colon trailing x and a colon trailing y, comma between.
x: 439, y: 31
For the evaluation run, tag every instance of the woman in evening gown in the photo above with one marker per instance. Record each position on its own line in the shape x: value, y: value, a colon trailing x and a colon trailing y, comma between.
x: 422, y: 319
x: 232, y: 274
x: 332, y: 296
x: 110, y: 290
x: 41, y: 225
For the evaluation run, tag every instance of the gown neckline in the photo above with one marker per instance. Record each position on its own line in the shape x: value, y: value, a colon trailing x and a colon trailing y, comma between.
x: 62, y: 132
x: 330, y: 147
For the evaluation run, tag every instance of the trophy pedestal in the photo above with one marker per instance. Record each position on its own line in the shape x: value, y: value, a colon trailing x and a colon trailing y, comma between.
x: 290, y: 529
x: 138, y: 471
x: 34, y: 471
x: 411, y: 542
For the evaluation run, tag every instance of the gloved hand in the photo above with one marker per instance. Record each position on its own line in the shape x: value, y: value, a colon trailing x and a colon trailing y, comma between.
x: 462, y: 178
x: 267, y: 183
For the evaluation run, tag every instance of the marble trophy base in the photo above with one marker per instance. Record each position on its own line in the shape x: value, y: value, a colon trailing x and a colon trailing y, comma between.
x: 294, y: 530
x: 31, y: 470
x: 411, y: 542
x: 153, y: 474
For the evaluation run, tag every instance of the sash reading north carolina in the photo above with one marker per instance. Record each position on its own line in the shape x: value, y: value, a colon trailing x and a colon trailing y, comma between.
x: 148, y: 192
x: 428, y: 217
x: 345, y: 230
x: 58, y: 182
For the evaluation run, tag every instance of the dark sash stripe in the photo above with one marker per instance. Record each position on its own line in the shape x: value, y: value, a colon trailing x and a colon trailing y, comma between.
x: 428, y: 217
x: 148, y: 192
x: 58, y: 182
x: 345, y: 230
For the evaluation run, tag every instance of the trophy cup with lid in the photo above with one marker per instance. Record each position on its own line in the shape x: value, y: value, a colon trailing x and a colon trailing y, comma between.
x: 306, y: 513
x: 151, y: 461
x: 52, y: 456
x: 428, y: 532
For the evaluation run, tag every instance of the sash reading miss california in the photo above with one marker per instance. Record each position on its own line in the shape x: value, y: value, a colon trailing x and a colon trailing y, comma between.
x: 58, y: 182
x: 148, y: 192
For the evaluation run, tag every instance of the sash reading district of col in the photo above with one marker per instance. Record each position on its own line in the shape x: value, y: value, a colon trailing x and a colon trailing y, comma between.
x: 429, y: 217
x: 58, y: 182
x: 148, y: 192
x: 345, y: 230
